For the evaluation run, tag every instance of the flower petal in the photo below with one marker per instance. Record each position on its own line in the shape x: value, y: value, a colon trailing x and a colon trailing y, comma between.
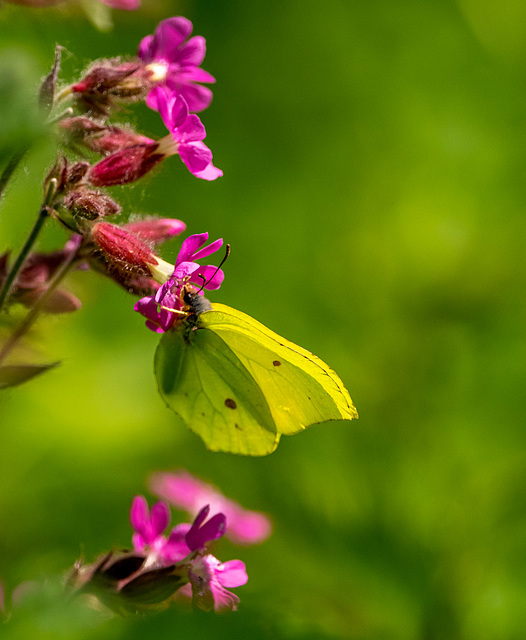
x: 168, y: 35
x: 191, y: 129
x: 232, y: 573
x: 191, y: 246
x: 196, y: 96
x: 210, y: 275
x: 196, y: 157
x: 159, y: 517
x: 193, y: 52
x: 195, y: 74
x: 139, y: 513
x: 145, y: 48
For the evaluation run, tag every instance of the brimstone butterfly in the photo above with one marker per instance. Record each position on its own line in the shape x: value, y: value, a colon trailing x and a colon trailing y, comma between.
x: 239, y: 385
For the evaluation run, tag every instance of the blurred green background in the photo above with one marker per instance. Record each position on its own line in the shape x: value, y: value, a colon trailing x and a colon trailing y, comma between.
x: 374, y: 196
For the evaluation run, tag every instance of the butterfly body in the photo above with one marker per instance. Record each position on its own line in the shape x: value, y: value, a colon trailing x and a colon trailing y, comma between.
x: 239, y: 385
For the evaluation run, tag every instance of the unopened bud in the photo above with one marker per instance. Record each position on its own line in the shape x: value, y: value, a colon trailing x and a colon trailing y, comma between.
x: 121, y: 246
x: 109, y: 80
x: 156, y: 230
x: 76, y: 172
x: 90, y: 205
x: 125, y: 166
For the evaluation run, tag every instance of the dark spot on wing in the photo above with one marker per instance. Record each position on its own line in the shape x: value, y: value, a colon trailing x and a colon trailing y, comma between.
x: 231, y: 404
x: 237, y: 427
x: 276, y: 363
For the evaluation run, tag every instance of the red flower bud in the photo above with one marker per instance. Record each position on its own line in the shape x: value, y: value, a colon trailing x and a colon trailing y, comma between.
x: 127, y: 165
x: 156, y: 230
x: 120, y: 246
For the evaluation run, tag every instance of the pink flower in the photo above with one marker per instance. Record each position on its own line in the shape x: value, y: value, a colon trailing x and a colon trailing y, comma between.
x: 149, y: 527
x: 186, y: 271
x: 178, y: 60
x: 209, y: 579
x: 187, y: 492
x: 187, y: 135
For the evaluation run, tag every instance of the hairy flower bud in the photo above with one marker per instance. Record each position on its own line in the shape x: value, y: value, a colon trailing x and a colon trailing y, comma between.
x: 156, y: 230
x: 90, y: 205
x: 108, y: 80
x: 126, y: 165
x: 121, y: 246
x: 103, y: 139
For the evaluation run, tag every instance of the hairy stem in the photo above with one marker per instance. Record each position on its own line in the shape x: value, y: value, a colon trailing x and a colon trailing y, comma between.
x: 33, y: 313
x: 21, y: 258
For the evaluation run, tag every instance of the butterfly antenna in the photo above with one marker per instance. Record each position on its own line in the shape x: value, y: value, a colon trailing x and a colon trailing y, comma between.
x: 205, y: 282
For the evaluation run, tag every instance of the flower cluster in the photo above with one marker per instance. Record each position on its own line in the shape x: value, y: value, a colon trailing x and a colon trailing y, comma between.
x: 164, y: 565
x: 166, y: 74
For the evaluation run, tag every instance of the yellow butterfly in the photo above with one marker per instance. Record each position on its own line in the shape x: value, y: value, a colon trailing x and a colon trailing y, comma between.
x: 239, y: 385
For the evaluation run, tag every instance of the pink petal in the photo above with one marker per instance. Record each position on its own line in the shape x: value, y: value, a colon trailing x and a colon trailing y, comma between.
x: 208, y: 250
x: 232, y: 573
x: 195, y: 74
x: 210, y: 173
x: 197, y: 97
x: 169, y: 34
x: 144, y: 49
x: 184, y: 270
x: 195, y: 155
x: 210, y: 275
x: 159, y: 517
x: 191, y: 130
x: 139, y: 513
x: 190, y: 246
x: 249, y: 527
x: 193, y: 52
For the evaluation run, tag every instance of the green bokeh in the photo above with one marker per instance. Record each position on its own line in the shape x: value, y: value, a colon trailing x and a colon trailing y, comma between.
x: 374, y: 197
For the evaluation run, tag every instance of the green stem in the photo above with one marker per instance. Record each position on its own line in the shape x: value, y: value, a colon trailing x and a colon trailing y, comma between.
x: 21, y: 258
x: 39, y: 305
x: 6, y: 288
x: 10, y: 168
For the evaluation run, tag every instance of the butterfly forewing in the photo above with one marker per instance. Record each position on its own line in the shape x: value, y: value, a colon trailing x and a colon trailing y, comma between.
x: 204, y: 382
x: 300, y: 389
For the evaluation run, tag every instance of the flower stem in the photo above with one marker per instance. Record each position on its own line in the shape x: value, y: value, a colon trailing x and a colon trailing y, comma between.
x: 10, y: 168
x: 39, y: 304
x: 39, y: 223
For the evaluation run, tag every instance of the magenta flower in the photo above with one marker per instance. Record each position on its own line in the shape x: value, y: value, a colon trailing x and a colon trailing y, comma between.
x: 187, y: 135
x: 187, y: 492
x: 186, y: 271
x: 209, y: 579
x: 148, y: 525
x: 179, y: 60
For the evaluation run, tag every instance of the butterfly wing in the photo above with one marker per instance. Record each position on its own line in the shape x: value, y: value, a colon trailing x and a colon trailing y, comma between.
x: 201, y: 378
x: 299, y: 387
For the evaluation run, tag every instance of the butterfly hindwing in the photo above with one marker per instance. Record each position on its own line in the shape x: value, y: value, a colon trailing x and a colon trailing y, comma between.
x: 204, y: 382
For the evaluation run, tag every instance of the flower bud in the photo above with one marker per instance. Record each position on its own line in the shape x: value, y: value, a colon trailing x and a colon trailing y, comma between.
x: 156, y: 230
x: 101, y: 138
x: 90, y: 205
x: 110, y: 79
x: 119, y: 245
x: 126, y: 165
